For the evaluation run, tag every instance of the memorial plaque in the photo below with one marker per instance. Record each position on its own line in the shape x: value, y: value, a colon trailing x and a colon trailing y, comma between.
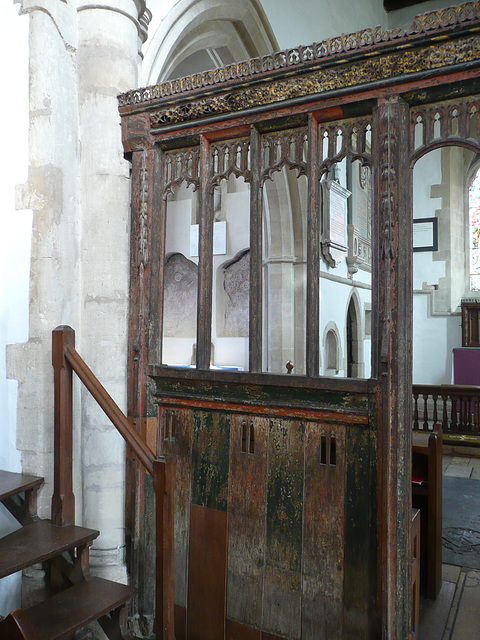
x: 334, y: 240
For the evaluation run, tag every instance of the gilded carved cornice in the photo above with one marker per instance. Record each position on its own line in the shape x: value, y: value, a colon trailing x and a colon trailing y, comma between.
x: 367, y: 56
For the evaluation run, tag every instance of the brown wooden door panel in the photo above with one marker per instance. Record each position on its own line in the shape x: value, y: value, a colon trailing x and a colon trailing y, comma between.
x: 207, y: 574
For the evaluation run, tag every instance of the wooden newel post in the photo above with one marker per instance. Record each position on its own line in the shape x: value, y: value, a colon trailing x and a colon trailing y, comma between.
x: 63, y: 500
x: 164, y: 486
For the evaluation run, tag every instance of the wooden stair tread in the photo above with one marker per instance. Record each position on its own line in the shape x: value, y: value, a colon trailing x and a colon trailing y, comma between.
x: 37, y: 542
x: 59, y: 616
x: 13, y: 483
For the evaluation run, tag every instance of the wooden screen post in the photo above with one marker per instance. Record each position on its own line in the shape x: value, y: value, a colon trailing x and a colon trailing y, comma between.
x: 63, y: 500
x: 393, y: 361
x: 164, y: 486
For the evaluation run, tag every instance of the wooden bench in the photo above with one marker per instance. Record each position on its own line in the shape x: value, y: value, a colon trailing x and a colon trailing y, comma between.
x: 427, y: 496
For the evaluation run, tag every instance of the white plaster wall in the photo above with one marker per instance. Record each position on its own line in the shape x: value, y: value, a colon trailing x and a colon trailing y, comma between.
x: 434, y: 337
x: 427, y: 270
x: 313, y: 21
x: 15, y: 240
x: 435, y: 333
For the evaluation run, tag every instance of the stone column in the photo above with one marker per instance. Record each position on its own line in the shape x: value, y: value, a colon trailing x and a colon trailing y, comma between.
x: 109, y: 37
x: 51, y: 193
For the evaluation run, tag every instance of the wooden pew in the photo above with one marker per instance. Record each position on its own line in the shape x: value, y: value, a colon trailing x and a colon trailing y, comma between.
x: 427, y: 496
x: 415, y: 572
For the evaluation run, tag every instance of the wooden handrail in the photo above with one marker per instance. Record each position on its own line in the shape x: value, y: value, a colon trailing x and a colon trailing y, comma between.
x: 111, y: 409
x: 66, y: 360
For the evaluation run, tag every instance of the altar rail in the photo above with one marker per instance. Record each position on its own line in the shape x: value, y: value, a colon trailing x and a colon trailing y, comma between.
x: 455, y: 407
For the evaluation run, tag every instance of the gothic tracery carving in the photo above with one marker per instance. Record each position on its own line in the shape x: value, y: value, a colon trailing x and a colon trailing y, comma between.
x: 179, y: 166
x: 448, y: 122
x: 230, y: 156
x: 284, y: 148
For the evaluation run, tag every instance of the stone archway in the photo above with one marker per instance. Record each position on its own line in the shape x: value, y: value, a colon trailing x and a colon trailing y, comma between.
x: 197, y: 35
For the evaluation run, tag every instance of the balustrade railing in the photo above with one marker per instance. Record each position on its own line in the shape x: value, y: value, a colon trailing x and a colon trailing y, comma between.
x: 455, y: 407
x: 66, y: 360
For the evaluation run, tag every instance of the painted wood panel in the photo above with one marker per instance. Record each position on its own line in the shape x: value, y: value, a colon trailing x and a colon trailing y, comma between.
x: 207, y: 574
x: 210, y: 459
x: 323, y: 532
x: 176, y: 440
x: 360, y: 535
x: 282, y: 603
x: 282, y: 582
x: 237, y: 631
x: 247, y: 503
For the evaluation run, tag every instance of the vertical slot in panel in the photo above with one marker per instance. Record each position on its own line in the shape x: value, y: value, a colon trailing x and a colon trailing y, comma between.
x: 244, y: 437
x: 333, y: 451
x: 323, y: 449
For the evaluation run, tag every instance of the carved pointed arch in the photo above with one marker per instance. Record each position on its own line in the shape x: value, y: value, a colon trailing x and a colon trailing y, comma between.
x: 222, y: 30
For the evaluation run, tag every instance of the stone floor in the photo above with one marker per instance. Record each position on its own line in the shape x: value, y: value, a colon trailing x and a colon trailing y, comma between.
x: 461, y: 467
x: 455, y: 614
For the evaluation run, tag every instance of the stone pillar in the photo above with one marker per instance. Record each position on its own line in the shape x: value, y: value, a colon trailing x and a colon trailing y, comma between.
x: 109, y: 37
x: 51, y: 192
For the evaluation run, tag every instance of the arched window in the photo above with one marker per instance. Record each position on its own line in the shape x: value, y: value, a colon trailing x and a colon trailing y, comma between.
x: 331, y: 347
x: 354, y: 339
x: 474, y: 231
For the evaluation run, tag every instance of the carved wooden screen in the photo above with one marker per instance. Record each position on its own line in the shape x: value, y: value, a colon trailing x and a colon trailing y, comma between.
x: 336, y: 128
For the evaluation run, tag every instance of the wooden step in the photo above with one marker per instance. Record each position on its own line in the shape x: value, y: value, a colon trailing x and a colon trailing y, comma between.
x: 59, y: 616
x: 13, y: 483
x: 39, y: 541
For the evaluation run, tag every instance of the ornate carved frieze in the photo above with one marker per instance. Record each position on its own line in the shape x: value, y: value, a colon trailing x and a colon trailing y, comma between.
x: 340, y: 76
x: 389, y: 150
x: 434, y: 23
x: 143, y: 213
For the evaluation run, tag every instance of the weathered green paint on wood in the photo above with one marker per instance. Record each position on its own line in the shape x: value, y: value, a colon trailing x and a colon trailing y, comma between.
x: 360, y: 534
x: 285, y: 494
x: 323, y: 532
x: 176, y: 441
x: 282, y: 605
x: 247, y: 505
x: 210, y: 459
x: 236, y: 388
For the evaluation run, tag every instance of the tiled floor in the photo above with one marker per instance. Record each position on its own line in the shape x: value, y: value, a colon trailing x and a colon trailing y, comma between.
x: 461, y: 467
x: 455, y: 614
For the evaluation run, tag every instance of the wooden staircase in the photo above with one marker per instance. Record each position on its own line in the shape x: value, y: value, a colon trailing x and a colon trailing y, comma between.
x: 76, y: 598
